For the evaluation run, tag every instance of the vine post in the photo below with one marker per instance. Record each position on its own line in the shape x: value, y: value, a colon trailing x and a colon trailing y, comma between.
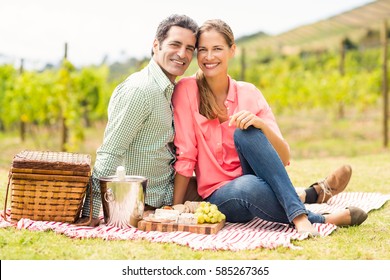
x: 385, y: 90
x: 243, y: 64
x: 64, y: 127
x: 342, y: 73
x: 22, y: 120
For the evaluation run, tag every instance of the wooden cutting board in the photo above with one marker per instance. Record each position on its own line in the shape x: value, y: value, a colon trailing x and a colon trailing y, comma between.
x: 168, y: 227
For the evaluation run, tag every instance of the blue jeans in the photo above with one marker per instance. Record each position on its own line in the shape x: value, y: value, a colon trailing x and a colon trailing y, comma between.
x: 264, y: 190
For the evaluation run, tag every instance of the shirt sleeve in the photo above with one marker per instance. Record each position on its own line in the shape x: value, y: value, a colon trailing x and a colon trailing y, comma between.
x: 185, y: 138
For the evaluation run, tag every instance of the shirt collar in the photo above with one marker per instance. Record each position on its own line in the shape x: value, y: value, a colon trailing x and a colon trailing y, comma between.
x: 232, y: 90
x: 161, y: 79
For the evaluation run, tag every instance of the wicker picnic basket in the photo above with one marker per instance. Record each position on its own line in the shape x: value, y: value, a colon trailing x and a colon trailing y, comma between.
x: 48, y: 186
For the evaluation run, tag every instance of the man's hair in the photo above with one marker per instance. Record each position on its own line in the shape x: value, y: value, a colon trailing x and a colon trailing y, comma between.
x: 175, y: 20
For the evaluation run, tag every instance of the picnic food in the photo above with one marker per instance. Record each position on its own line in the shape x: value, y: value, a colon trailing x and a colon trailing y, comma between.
x: 167, y: 214
x: 187, y: 219
x: 182, y: 208
x: 191, y: 212
x: 192, y: 205
x: 163, y: 215
x: 208, y: 213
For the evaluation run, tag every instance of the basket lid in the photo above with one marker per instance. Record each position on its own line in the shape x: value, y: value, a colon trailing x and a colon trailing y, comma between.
x: 52, y: 160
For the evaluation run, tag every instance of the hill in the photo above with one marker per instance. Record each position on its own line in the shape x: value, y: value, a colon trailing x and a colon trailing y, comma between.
x: 360, y: 26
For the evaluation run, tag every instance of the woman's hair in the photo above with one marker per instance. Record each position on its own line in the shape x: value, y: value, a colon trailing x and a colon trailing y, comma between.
x: 208, y: 105
x: 174, y: 20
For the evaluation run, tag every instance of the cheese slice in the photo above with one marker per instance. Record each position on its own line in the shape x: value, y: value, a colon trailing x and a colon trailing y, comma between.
x: 167, y: 214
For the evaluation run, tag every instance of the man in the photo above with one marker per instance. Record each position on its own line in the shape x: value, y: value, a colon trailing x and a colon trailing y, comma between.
x: 139, y: 133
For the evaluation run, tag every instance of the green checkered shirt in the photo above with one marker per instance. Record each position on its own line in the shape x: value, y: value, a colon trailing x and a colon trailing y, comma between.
x: 139, y: 136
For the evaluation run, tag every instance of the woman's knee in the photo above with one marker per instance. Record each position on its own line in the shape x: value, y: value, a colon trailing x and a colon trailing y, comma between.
x: 246, y: 136
x: 246, y: 186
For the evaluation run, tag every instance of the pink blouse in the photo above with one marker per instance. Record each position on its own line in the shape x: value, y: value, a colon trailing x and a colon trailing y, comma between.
x: 205, y: 146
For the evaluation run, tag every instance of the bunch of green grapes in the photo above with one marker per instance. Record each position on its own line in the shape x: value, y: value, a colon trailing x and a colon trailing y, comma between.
x: 208, y: 213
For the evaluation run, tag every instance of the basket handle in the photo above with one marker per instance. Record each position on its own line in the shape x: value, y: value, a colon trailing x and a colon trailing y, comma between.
x: 90, y: 207
x: 6, y: 197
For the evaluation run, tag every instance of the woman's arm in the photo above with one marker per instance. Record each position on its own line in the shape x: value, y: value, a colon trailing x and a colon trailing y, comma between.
x: 279, y: 144
x: 180, y: 188
x: 185, y: 139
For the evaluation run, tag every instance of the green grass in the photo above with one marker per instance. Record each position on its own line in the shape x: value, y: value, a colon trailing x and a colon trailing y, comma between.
x: 370, y: 241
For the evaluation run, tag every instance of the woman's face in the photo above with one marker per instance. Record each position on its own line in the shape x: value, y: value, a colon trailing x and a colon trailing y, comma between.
x: 214, y: 53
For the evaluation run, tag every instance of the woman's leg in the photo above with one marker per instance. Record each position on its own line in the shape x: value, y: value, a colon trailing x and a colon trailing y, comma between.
x: 247, y: 197
x: 258, y: 157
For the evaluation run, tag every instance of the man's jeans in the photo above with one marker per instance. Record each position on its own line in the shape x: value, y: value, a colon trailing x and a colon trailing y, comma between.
x: 264, y: 190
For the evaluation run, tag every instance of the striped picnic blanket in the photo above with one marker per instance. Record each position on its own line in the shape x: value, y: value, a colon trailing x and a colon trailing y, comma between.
x: 234, y: 236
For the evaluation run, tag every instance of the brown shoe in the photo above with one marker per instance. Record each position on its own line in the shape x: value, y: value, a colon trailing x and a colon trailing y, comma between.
x: 358, y: 216
x: 87, y: 221
x: 350, y: 216
x: 334, y: 184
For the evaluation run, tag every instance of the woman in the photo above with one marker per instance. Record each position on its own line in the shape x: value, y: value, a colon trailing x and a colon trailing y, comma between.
x: 227, y: 134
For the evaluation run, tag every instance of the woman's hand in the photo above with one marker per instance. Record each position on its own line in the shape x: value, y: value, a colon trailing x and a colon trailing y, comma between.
x: 245, y: 119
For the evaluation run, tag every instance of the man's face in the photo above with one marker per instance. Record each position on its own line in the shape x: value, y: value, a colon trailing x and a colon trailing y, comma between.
x: 175, y: 53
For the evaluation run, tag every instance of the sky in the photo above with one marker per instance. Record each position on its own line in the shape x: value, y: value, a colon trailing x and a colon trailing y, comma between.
x: 37, y: 30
